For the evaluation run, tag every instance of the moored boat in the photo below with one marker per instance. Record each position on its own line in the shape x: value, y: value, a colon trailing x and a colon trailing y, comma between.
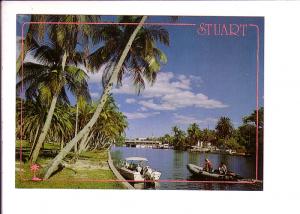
x: 137, y: 170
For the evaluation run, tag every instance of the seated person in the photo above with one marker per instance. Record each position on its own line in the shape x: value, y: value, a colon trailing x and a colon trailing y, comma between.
x: 138, y: 168
x: 223, y: 168
x: 207, y: 166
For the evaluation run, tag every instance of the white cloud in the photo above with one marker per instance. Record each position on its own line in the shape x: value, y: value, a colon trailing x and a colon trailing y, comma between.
x: 95, y: 95
x: 130, y: 100
x: 171, y: 92
x: 143, y: 108
x: 95, y: 77
x: 182, y: 119
x: 162, y: 86
x: 186, y: 120
x: 140, y: 115
x: 149, y: 104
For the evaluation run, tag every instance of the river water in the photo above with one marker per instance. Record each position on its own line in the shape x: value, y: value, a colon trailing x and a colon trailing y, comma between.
x: 172, y: 164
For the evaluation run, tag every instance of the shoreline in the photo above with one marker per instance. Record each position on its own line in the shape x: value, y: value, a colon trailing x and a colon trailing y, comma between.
x: 187, y: 150
x: 116, y: 172
x: 86, y: 173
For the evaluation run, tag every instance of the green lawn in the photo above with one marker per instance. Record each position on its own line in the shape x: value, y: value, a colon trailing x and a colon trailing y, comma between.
x: 68, y: 178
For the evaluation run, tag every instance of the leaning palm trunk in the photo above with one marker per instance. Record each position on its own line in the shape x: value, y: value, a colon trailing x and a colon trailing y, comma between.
x: 47, y: 124
x: 76, y: 126
x: 34, y: 141
x: 53, y: 165
x: 84, y: 142
x: 44, y: 131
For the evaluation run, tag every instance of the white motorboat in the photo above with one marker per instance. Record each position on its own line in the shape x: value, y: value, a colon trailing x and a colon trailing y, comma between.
x: 136, y: 169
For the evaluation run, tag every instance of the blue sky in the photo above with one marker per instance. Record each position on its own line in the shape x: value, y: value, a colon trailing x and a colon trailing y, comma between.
x: 206, y: 77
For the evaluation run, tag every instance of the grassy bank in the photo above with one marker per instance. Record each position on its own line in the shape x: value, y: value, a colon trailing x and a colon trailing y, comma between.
x: 88, y: 172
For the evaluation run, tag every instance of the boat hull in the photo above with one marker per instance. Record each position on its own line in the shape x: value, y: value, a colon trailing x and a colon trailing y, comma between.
x: 199, y: 173
x: 131, y: 175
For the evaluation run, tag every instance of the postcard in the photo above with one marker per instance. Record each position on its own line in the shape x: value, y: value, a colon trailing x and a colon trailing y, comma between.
x: 139, y: 102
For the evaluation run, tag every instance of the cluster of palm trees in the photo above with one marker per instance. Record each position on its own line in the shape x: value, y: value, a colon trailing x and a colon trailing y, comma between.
x: 182, y: 140
x: 65, y: 48
x: 224, y: 135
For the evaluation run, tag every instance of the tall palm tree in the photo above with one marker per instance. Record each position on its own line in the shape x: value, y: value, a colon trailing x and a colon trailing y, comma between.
x: 34, y: 117
x: 209, y: 136
x: 51, y: 78
x: 193, y: 134
x: 67, y: 37
x: 224, y: 128
x: 111, y: 124
x: 178, y: 138
x: 140, y: 63
x: 34, y: 30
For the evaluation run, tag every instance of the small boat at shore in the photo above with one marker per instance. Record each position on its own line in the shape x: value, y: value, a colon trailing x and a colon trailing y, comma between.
x: 215, y: 175
x: 136, y: 169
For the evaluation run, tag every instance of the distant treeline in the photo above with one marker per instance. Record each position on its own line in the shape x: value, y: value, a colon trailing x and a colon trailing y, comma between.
x: 241, y: 139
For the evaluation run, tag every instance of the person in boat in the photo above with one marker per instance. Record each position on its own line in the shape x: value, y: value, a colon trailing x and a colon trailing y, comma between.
x: 223, y: 168
x: 207, y: 166
x: 139, y: 168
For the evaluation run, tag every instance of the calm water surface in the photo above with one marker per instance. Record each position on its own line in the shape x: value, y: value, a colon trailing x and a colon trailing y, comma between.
x: 172, y: 164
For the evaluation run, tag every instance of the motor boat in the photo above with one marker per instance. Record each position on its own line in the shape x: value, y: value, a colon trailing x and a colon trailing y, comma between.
x: 136, y: 169
x: 215, y: 175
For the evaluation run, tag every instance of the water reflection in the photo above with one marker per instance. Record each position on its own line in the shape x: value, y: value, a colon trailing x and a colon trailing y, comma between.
x: 173, y: 163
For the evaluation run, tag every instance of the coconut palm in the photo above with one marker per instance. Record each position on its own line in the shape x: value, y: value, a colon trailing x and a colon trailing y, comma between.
x: 143, y: 59
x: 110, y: 125
x: 50, y: 79
x: 209, y: 136
x: 140, y: 63
x: 193, y: 134
x: 178, y: 138
x: 61, y: 128
x: 40, y: 25
x: 67, y: 37
x: 224, y: 128
x: 34, y: 117
x: 33, y: 31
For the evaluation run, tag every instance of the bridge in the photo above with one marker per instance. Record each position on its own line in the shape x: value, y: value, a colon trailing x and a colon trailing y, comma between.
x: 143, y: 143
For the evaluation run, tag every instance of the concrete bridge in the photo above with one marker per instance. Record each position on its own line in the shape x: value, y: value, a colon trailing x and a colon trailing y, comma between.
x: 143, y: 143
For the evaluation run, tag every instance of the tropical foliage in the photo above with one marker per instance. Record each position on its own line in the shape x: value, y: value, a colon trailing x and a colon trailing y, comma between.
x: 108, y: 129
x: 241, y: 139
x: 61, y: 56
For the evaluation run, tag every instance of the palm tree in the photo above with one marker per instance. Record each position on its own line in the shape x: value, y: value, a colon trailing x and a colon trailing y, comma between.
x: 167, y: 139
x: 178, y: 138
x: 140, y: 63
x: 111, y: 124
x: 252, y: 118
x: 34, y: 30
x: 249, y: 128
x: 67, y: 38
x: 143, y: 59
x: 224, y: 128
x: 209, y: 136
x: 50, y: 78
x: 34, y: 117
x: 194, y: 134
